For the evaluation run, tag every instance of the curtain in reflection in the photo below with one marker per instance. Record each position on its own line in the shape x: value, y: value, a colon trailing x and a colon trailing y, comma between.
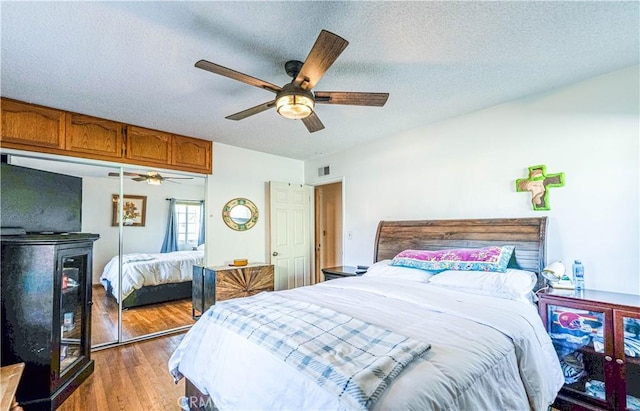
x: 170, y: 242
x: 201, y: 233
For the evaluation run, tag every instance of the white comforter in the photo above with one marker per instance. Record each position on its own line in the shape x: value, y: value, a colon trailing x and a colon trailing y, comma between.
x: 487, y: 353
x: 139, y: 270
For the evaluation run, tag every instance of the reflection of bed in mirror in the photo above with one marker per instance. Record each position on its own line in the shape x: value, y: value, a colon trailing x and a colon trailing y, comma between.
x: 151, y: 278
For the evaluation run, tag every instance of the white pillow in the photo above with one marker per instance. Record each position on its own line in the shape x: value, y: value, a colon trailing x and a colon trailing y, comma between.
x: 384, y: 269
x: 513, y: 284
x: 200, y: 247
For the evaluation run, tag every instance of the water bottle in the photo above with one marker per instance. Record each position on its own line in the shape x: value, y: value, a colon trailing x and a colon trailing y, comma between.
x: 578, y: 274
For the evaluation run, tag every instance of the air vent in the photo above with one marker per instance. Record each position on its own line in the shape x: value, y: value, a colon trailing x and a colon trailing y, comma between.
x: 323, y: 171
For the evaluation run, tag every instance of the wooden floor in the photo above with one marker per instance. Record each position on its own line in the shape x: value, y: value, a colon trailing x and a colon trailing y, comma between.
x: 137, y: 321
x: 131, y: 377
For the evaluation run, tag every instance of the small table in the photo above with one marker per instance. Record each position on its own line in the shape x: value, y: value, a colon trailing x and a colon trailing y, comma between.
x: 342, y: 271
x: 9, y: 380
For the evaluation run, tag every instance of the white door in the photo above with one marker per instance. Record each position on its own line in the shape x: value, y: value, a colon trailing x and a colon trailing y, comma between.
x: 291, y: 242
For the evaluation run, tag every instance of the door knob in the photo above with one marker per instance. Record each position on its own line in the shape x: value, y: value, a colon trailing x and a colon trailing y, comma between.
x: 275, y: 254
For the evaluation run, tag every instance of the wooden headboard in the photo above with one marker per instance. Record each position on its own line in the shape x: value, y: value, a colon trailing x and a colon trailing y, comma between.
x: 528, y: 235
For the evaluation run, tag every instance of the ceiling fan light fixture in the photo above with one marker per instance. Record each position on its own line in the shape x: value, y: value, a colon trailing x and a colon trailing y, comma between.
x: 294, y: 103
x: 295, y: 100
x: 155, y: 180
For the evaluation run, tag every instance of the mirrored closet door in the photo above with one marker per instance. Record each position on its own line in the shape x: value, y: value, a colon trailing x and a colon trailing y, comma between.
x: 161, y: 241
x: 140, y: 247
x: 93, y: 208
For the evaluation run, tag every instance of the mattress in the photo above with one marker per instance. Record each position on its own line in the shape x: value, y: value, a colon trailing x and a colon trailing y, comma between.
x: 486, y: 352
x: 141, y: 270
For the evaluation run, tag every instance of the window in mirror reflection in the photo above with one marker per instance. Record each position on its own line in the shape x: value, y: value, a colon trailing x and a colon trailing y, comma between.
x: 189, y: 222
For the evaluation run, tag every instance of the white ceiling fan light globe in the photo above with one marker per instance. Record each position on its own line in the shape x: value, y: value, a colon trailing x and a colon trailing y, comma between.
x: 294, y: 103
x: 294, y: 107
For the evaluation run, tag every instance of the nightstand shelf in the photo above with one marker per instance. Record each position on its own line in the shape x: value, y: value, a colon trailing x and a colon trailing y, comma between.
x: 342, y: 271
x: 591, y: 330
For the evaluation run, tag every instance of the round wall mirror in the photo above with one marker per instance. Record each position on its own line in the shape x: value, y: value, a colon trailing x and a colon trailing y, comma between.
x: 240, y: 214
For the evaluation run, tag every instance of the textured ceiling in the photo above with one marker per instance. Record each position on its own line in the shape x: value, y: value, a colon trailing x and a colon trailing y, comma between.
x: 134, y: 61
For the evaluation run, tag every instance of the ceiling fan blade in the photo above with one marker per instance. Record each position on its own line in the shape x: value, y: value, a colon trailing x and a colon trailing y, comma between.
x: 351, y: 98
x: 177, y: 178
x: 139, y: 179
x: 313, y: 123
x: 126, y: 173
x: 236, y: 75
x: 253, y: 110
x: 324, y: 52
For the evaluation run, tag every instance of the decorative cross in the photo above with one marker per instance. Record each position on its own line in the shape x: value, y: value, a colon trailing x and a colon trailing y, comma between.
x: 537, y: 183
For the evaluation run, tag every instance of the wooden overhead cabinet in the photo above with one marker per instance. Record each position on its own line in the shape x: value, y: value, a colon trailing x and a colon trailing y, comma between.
x: 148, y: 147
x: 191, y: 154
x: 153, y: 147
x: 30, y: 127
x: 95, y: 136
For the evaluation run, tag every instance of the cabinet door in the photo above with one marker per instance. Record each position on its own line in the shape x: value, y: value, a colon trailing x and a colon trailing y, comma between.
x: 627, y: 349
x: 582, y: 335
x: 191, y: 154
x: 148, y: 146
x: 94, y: 136
x: 32, y: 126
x: 203, y: 290
x: 72, y: 334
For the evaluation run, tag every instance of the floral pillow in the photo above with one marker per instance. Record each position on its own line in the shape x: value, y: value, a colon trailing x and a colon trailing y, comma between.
x: 491, y: 258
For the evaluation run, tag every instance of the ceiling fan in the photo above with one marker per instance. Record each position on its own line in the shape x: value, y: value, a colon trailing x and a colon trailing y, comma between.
x: 151, y: 177
x: 295, y: 100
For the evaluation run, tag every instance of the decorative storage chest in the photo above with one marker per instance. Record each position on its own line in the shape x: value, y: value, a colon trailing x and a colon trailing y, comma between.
x: 222, y: 283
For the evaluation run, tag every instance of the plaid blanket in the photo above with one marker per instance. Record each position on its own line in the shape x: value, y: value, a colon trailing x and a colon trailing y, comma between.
x: 348, y: 357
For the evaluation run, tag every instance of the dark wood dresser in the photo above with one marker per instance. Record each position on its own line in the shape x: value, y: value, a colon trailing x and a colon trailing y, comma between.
x: 46, y: 314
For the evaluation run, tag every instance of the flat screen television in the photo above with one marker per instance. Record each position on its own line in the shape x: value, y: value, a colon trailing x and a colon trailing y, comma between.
x: 39, y: 201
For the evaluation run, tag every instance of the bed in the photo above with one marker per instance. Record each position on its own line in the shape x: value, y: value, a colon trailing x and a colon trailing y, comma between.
x: 151, y: 278
x: 470, y: 349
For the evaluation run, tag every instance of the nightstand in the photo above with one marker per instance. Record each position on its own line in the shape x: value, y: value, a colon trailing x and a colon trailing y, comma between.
x: 342, y: 271
x: 597, y: 337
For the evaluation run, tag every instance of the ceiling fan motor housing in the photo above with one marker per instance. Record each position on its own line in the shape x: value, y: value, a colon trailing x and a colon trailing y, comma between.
x: 293, y: 67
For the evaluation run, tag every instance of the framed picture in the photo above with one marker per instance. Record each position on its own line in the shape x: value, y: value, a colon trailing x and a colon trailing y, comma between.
x: 134, y: 210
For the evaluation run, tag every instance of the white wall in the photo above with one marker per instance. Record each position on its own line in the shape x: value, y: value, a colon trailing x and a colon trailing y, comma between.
x: 466, y: 167
x: 244, y: 173
x: 97, y: 215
